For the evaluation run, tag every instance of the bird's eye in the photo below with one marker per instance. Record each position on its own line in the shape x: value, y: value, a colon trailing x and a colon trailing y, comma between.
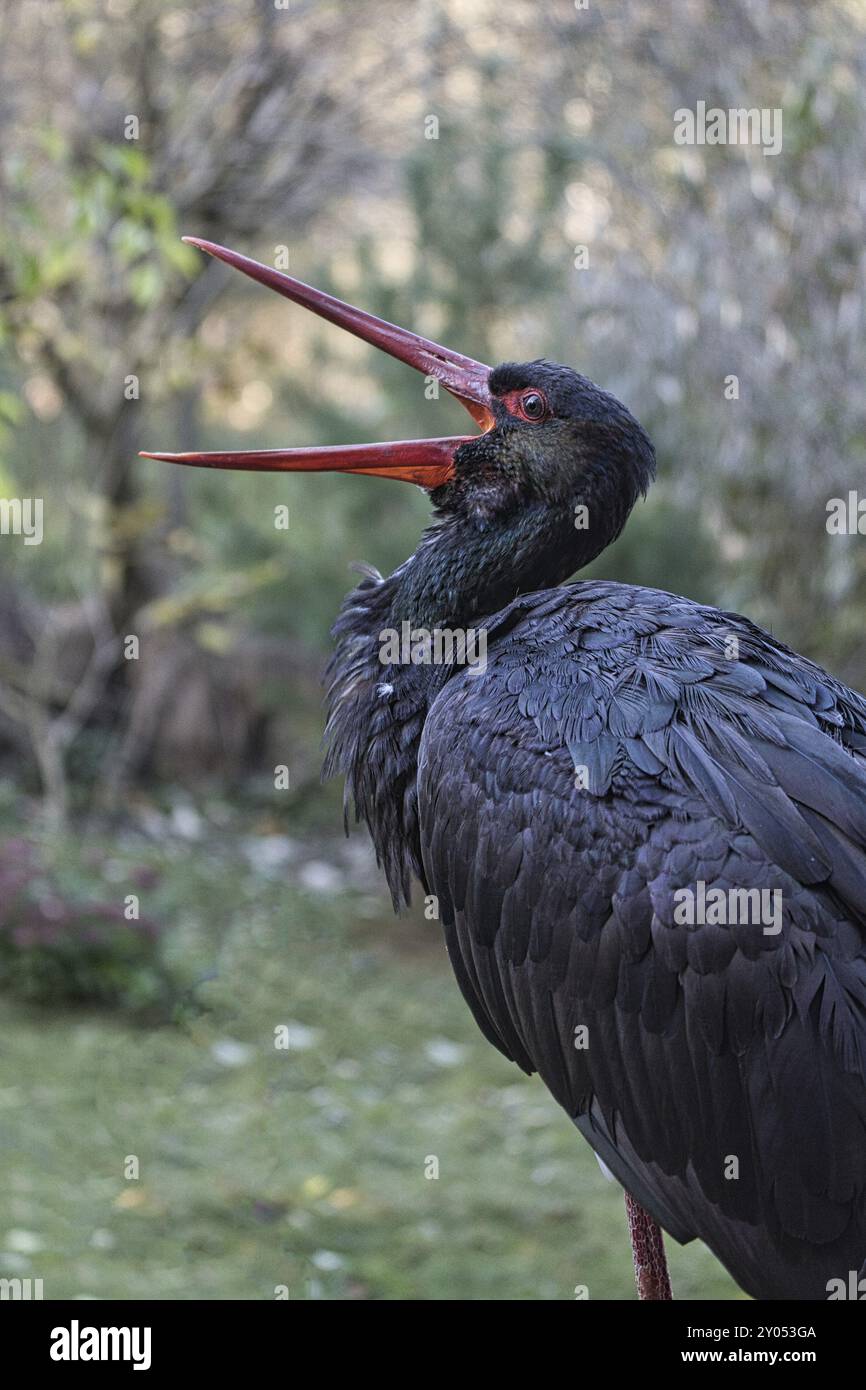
x: 533, y: 406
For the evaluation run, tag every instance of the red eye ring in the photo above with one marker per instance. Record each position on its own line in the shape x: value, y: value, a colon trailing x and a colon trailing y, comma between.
x: 528, y: 404
x: 532, y: 406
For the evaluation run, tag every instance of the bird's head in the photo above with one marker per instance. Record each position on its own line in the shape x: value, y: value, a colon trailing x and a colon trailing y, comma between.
x: 550, y: 480
x: 554, y: 439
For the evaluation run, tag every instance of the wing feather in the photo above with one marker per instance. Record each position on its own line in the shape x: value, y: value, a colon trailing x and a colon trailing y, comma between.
x: 722, y: 1073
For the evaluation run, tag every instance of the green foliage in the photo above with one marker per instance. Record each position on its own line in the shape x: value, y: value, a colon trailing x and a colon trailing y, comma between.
x: 107, y: 204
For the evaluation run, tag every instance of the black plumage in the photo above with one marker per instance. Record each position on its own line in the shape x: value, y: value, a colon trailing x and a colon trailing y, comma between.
x: 623, y: 752
x: 709, y: 754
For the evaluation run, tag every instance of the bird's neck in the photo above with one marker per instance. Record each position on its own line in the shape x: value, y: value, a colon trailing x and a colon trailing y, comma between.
x: 466, y: 568
x: 383, y: 676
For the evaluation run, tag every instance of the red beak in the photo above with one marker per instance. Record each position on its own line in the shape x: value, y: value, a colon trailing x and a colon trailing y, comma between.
x: 428, y: 462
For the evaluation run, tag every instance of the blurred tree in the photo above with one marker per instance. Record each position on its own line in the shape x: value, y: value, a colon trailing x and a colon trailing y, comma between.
x: 513, y: 188
x: 708, y: 263
x: 228, y: 120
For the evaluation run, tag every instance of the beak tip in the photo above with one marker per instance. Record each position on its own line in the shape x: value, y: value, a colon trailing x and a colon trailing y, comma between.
x: 200, y: 243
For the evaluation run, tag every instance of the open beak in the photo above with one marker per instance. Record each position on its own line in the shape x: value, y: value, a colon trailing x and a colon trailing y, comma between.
x: 428, y: 462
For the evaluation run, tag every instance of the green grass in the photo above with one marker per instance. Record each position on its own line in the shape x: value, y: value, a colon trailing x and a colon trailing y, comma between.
x: 305, y: 1167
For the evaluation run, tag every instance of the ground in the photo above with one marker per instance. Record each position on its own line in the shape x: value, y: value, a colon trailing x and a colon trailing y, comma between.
x: 297, y: 1171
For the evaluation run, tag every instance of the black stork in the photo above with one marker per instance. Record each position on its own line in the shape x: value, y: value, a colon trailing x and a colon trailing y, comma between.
x: 644, y: 820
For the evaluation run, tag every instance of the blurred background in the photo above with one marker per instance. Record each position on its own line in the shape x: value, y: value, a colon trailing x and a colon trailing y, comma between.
x: 225, y: 1067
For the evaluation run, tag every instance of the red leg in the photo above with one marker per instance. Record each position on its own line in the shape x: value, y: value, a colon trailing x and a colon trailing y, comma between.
x: 647, y: 1247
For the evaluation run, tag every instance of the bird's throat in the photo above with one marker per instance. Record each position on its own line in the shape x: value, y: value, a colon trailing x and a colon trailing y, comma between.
x: 467, y: 569
x: 400, y: 639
